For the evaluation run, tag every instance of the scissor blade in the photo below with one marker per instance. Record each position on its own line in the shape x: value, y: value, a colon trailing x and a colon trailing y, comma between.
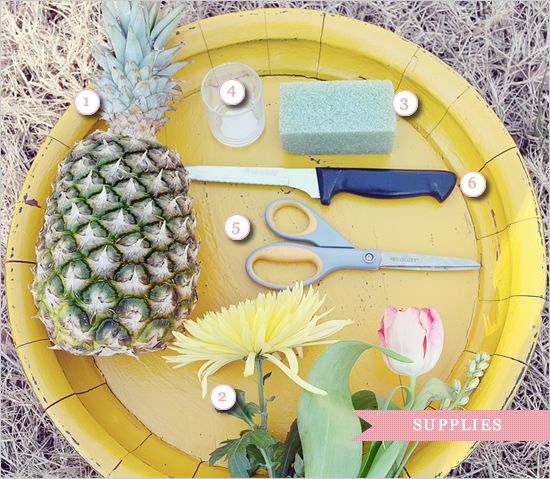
x: 425, y: 262
x: 304, y: 179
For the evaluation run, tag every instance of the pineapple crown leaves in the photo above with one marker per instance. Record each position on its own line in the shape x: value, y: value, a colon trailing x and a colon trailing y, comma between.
x: 136, y: 86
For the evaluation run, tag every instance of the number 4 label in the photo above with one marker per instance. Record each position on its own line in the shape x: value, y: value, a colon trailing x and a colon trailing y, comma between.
x: 232, y: 92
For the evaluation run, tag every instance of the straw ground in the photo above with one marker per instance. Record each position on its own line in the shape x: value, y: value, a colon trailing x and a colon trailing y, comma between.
x: 500, y: 47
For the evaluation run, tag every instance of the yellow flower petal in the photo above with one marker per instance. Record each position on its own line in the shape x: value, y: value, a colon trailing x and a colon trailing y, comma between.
x: 282, y: 322
x: 249, y: 365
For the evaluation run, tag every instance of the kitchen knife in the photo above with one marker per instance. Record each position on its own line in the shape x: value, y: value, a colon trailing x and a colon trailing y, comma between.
x: 324, y: 183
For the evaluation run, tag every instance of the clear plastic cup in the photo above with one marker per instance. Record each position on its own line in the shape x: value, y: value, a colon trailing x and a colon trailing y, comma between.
x: 237, y: 125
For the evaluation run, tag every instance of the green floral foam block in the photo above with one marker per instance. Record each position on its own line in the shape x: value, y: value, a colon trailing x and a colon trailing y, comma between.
x: 337, y: 117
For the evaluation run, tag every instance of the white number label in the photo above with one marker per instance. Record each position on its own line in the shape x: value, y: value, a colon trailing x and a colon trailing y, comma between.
x: 473, y: 184
x: 87, y: 102
x: 237, y: 227
x: 223, y: 397
x: 405, y: 103
x: 232, y: 92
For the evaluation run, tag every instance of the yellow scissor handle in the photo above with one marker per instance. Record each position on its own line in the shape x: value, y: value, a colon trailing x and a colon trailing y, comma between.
x: 285, y: 253
x: 277, y: 205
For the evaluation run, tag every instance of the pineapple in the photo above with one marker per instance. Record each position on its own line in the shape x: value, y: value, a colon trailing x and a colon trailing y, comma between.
x: 117, y: 256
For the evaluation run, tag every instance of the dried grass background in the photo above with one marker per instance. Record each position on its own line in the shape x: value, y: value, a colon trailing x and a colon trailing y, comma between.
x: 500, y: 47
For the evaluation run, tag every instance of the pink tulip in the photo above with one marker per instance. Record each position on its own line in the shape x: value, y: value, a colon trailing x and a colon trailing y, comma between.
x: 414, y: 333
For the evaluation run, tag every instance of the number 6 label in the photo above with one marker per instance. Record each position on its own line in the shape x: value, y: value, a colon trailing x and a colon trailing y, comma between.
x: 237, y: 227
x: 473, y: 184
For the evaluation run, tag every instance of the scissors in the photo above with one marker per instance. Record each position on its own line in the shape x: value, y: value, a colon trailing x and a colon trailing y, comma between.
x: 331, y: 251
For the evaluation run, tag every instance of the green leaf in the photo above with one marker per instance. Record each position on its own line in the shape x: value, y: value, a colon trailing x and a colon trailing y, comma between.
x: 327, y: 424
x: 385, y: 460
x: 368, y: 458
x: 433, y: 390
x: 221, y: 451
x: 242, y: 453
x: 364, y: 400
x: 292, y: 445
x: 242, y: 409
x: 299, y: 470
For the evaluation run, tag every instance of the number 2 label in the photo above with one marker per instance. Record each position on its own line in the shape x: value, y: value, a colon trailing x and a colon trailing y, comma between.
x: 223, y: 397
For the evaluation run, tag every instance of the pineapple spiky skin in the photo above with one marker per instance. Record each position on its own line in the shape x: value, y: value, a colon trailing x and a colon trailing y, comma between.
x: 117, y: 257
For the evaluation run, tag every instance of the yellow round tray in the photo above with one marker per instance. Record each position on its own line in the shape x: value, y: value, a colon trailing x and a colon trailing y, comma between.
x: 140, y: 418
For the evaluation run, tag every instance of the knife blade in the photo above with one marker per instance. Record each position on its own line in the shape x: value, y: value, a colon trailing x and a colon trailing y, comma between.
x: 324, y: 183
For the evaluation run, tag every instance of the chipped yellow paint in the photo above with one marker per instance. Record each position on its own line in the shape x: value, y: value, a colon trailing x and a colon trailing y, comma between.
x: 73, y: 126
x: 81, y: 373
x: 148, y: 420
x: 27, y: 328
x: 205, y: 470
x: 166, y: 458
x: 513, y: 262
x: 37, y: 185
x: 239, y: 37
x: 352, y: 50
x: 87, y: 435
x: 194, y: 51
x: 297, y: 54
x: 111, y: 414
x: 131, y: 466
x: 25, y: 225
x: 44, y: 372
x: 418, y: 77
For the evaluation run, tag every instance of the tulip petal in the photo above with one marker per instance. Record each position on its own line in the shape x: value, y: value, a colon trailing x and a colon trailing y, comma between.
x: 406, y: 336
x: 431, y: 321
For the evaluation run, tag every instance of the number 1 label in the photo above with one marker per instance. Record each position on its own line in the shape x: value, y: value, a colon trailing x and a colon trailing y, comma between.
x: 87, y: 102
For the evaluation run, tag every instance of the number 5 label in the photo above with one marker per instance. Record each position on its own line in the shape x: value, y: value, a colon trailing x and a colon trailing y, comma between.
x: 237, y: 227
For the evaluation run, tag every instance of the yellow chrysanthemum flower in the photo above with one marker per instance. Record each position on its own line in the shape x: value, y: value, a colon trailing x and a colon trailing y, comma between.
x: 272, y: 324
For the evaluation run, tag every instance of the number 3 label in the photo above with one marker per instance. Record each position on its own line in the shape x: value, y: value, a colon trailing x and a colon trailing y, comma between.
x: 405, y: 103
x: 237, y: 227
x: 473, y: 184
x: 223, y: 397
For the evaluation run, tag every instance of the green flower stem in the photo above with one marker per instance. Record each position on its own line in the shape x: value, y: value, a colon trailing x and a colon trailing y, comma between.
x: 261, y: 399
x: 411, y: 392
x: 266, y: 453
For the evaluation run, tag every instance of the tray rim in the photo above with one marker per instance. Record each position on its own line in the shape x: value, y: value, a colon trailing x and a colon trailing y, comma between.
x: 72, y: 127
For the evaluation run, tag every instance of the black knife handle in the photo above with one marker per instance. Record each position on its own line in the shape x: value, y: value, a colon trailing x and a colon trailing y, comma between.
x: 384, y: 183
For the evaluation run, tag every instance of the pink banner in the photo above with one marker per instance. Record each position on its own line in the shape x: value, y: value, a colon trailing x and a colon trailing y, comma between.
x: 467, y: 425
